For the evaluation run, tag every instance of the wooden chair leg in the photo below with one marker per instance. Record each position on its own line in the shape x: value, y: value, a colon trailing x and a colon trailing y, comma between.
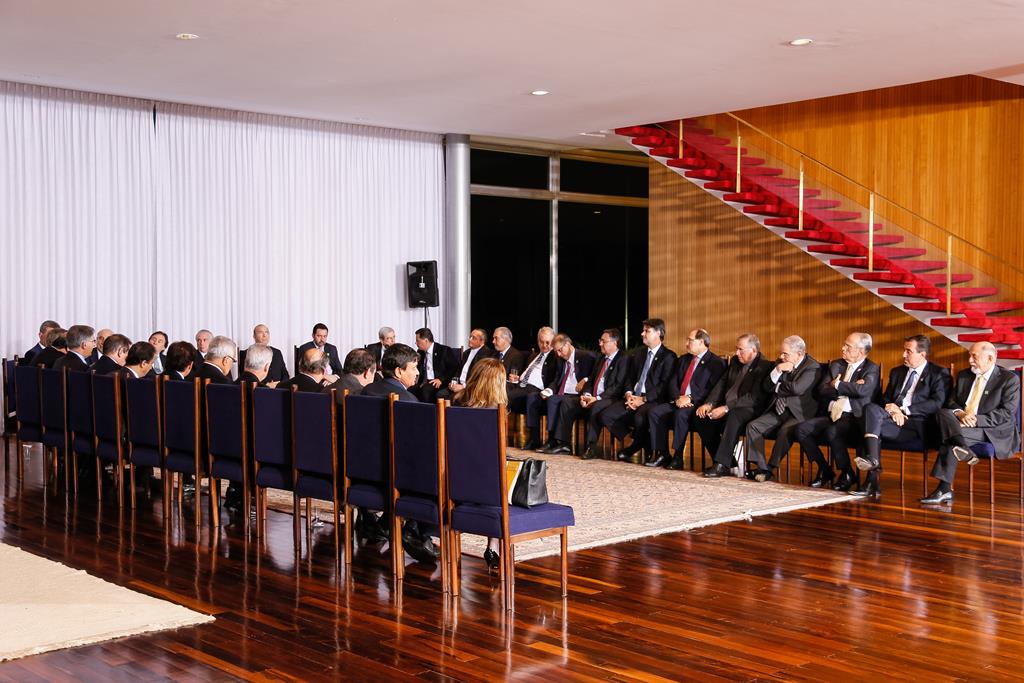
x: 309, y: 516
x: 296, y: 514
x: 131, y: 483
x: 565, y: 563
x: 924, y: 473
x: 1020, y: 475
x: 120, y: 483
x: 397, y: 550
x: 337, y: 533
x: 970, y: 480
x: 99, y: 479
x: 198, y: 502
x: 348, y: 534
x: 215, y: 502
x: 991, y: 479
x: 455, y: 561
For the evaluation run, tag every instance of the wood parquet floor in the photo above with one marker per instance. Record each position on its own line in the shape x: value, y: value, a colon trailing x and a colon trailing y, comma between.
x: 861, y: 591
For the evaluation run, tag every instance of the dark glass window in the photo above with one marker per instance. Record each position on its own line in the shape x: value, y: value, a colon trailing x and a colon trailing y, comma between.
x: 602, y: 271
x: 509, y: 245
x: 596, y: 178
x: 508, y: 170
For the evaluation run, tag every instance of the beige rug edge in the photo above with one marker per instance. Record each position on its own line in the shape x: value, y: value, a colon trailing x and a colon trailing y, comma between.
x: 160, y: 614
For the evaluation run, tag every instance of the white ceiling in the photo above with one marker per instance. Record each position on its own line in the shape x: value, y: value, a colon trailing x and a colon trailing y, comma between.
x: 468, y: 66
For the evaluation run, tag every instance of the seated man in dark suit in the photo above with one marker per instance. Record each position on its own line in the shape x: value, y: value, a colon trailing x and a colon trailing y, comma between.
x: 181, y: 361
x: 475, y: 351
x: 738, y: 398
x: 278, y: 371
x: 577, y: 366
x: 981, y: 408
x: 98, y: 352
x: 256, y: 368
x: 45, y: 327
x: 56, y: 347
x: 541, y: 369
x: 385, y: 337
x: 203, y: 338
x: 604, y: 387
x: 850, y: 385
x: 399, y: 373
x: 359, y: 370
x: 319, y: 342
x: 792, y: 401
x: 115, y: 352
x: 160, y: 342
x: 651, y: 369
x: 697, y: 372
x: 81, y: 341
x: 434, y: 366
x: 313, y: 364
x: 221, y: 355
x: 915, y: 393
x: 511, y: 357
x: 139, y: 361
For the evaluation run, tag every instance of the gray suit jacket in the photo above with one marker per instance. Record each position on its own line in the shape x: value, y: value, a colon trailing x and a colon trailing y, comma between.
x: 997, y: 411
x: 796, y: 387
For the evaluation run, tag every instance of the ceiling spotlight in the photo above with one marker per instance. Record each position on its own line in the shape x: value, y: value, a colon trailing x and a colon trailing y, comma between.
x: 594, y: 135
x: 800, y: 42
x: 187, y: 36
x: 540, y: 93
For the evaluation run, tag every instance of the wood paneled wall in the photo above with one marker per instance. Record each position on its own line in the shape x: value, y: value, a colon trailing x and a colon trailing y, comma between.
x: 948, y: 150
x: 714, y: 268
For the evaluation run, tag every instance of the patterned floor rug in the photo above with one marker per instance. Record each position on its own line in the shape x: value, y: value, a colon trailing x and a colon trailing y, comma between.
x: 48, y: 606
x: 615, y: 502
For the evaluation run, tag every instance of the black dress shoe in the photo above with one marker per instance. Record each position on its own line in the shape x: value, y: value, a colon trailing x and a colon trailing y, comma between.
x: 658, y: 460
x: 717, y: 470
x: 865, y: 464
x: 556, y: 448
x: 823, y: 480
x: 870, y: 490
x: 491, y: 558
x: 421, y: 550
x: 531, y: 445
x: 626, y: 454
x: 590, y: 453
x: 845, y: 483
x: 937, y: 497
x: 676, y: 464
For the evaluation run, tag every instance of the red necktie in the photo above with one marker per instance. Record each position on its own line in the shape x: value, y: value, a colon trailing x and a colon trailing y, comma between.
x: 600, y: 374
x: 561, y: 389
x: 689, y: 375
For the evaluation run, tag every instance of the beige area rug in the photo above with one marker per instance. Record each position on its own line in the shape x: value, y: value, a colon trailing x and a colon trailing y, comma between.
x: 47, y: 606
x: 615, y: 502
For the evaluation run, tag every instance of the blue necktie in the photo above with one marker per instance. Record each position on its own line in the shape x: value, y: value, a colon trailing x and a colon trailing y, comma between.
x: 640, y: 387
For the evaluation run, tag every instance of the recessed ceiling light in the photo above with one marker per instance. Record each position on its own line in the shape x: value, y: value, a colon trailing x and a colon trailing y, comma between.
x: 540, y: 93
x: 187, y: 36
x: 800, y: 42
x: 594, y: 135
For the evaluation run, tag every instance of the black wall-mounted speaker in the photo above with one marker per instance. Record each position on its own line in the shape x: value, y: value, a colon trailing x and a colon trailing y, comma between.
x: 421, y: 282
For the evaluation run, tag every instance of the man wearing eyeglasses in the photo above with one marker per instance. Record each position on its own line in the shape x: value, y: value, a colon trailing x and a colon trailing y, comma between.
x: 81, y: 340
x: 221, y: 356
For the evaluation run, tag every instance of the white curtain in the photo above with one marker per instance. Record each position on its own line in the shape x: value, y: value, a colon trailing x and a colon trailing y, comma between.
x: 76, y: 212
x: 289, y: 222
x: 116, y: 216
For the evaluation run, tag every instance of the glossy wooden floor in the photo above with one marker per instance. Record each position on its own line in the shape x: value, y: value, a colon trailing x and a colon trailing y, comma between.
x: 865, y: 590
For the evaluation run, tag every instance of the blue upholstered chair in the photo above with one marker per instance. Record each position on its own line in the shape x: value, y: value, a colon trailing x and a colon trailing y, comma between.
x: 53, y: 417
x: 366, y: 459
x: 10, y: 404
x: 30, y: 419
x: 987, y: 452
x: 418, y: 476
x: 145, y: 432
x: 477, y: 501
x: 315, y: 457
x: 108, y: 429
x: 271, y: 446
x: 227, y: 443
x: 184, y: 450
x: 81, y: 437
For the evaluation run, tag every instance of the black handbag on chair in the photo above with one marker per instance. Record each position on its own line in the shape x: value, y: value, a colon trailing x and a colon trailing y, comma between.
x: 531, y: 487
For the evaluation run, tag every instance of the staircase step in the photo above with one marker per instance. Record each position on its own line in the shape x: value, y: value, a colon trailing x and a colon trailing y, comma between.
x: 776, y: 181
x: 651, y: 141
x: 714, y: 140
x: 770, y: 210
x: 978, y: 307
x: 854, y: 226
x: 837, y: 237
x: 939, y: 279
x: 707, y: 174
x: 758, y: 171
x: 994, y: 337
x: 638, y: 131
x: 691, y: 162
x: 996, y: 323
x: 908, y: 278
x: 1011, y: 354
x: 936, y: 293
x: 746, y: 197
x: 858, y: 250
x: 837, y: 215
x: 730, y: 185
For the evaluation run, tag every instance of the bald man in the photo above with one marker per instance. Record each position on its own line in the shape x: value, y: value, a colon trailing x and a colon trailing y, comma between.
x: 278, y: 371
x: 98, y: 352
x: 982, y: 408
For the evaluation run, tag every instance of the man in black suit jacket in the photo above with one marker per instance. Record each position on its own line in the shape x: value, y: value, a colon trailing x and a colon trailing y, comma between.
x: 311, y: 375
x: 45, y: 327
x: 511, y: 357
x: 982, y: 408
x: 278, y: 371
x: 475, y: 352
x: 435, y: 366
x: 56, y: 347
x: 360, y: 370
x: 138, y: 362
x: 181, y: 361
x: 256, y: 366
x: 100, y: 349
x: 604, y: 387
x: 576, y: 369
x: 385, y: 338
x: 160, y: 343
x: 738, y: 398
x: 115, y: 353
x: 541, y: 369
x: 203, y: 339
x: 319, y: 341
x: 697, y: 372
x: 848, y: 386
x: 221, y: 355
x: 81, y: 340
x: 915, y: 393
x: 400, y: 373
x: 652, y: 369
x: 791, y: 389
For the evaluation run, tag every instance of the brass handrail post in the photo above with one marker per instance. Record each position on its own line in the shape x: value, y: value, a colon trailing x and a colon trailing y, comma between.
x: 871, y: 233
x: 680, y: 138
x: 739, y: 155
x: 949, y: 275
x: 800, y: 199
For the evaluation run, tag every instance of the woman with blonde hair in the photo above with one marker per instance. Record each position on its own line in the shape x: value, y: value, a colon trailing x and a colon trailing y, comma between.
x: 485, y: 388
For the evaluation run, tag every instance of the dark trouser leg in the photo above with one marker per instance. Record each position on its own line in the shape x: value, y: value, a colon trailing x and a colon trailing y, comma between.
x: 595, y: 420
x: 426, y: 393
x: 809, y: 435
x: 568, y: 413
x: 735, y: 425
x: 875, y: 421
x: 757, y: 431
x: 945, y: 464
x: 658, y: 417
x: 617, y: 418
x: 517, y: 397
x: 534, y: 407
x: 681, y: 428
x: 641, y: 435
x: 950, y: 429
x: 554, y: 403
x: 711, y: 434
x: 840, y: 435
x: 784, y: 438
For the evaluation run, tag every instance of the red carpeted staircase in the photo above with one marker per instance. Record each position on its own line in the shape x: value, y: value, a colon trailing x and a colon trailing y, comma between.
x: 902, y: 272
